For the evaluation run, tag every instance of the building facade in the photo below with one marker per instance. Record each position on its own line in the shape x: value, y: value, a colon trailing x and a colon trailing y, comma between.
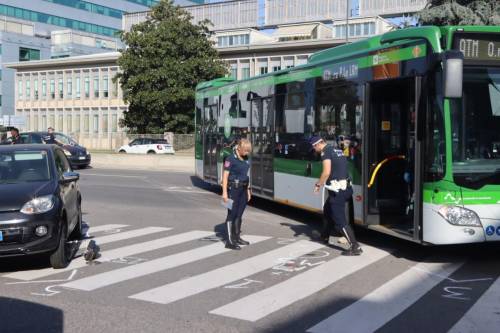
x: 59, y: 28
x: 75, y: 95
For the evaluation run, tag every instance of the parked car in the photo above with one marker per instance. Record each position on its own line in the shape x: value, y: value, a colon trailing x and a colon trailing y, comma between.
x: 147, y: 146
x: 40, y: 202
x: 77, y: 155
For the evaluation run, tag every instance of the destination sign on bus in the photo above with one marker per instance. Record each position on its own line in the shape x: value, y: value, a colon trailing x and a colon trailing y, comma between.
x: 478, y: 47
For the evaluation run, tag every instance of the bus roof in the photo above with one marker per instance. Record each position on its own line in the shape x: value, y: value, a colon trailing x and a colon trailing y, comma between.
x: 432, y: 34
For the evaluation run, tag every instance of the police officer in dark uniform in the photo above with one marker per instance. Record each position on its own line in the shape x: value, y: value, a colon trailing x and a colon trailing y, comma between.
x: 235, y: 186
x: 335, y: 178
x: 50, y: 138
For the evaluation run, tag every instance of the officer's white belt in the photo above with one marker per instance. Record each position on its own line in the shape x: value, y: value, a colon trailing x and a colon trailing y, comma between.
x: 337, y: 185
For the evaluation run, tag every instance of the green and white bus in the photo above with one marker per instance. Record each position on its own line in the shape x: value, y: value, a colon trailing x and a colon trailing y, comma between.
x: 417, y: 112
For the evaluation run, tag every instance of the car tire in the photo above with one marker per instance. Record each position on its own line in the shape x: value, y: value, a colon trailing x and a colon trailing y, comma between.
x: 60, y: 257
x: 122, y: 151
x: 76, y: 234
x: 151, y: 152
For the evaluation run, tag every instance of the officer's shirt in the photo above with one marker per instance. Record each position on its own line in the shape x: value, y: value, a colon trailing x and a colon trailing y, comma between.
x: 49, y: 139
x: 338, y: 162
x: 238, y: 169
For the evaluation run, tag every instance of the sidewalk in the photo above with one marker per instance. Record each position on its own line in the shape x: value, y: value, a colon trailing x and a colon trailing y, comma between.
x: 182, y: 161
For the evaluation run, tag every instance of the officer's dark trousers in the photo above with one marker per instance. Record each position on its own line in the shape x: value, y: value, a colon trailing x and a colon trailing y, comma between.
x: 334, y: 210
x: 240, y: 198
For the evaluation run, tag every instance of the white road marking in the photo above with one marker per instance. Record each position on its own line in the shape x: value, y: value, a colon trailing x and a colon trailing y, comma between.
x: 389, y: 300
x: 219, y: 277
x: 109, y: 175
x: 122, y: 236
x: 267, y: 301
x: 484, y: 315
x: 105, y: 227
x: 153, y: 266
x: 114, y: 254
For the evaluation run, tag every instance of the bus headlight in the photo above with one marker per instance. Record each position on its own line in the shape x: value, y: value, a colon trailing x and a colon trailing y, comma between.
x: 460, y: 216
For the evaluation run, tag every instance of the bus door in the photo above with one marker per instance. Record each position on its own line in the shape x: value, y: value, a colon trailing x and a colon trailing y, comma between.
x: 210, y: 143
x: 263, y: 132
x: 390, y: 155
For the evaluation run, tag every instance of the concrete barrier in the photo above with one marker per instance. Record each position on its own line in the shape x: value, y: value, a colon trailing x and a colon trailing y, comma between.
x: 180, y: 162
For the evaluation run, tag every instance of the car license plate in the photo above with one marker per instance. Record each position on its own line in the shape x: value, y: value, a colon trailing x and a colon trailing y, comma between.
x: 1, y: 236
x: 82, y: 157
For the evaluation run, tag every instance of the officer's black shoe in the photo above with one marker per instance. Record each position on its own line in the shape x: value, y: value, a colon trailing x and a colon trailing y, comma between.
x: 231, y: 246
x: 237, y: 232
x: 241, y: 241
x: 352, y: 251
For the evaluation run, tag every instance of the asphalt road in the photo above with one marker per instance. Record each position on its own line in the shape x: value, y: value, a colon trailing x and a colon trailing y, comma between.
x: 164, y: 269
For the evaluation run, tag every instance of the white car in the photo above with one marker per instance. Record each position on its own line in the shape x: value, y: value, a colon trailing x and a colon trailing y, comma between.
x: 147, y: 146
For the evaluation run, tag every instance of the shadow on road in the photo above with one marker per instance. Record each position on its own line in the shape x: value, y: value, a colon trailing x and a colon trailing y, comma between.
x: 22, y: 316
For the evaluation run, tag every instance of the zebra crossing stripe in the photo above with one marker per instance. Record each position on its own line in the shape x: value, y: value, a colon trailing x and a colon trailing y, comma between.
x: 216, y: 278
x: 106, y: 227
x: 389, y: 300
x: 153, y: 266
x: 122, y: 236
x: 281, y: 295
x: 484, y: 316
x: 115, y: 254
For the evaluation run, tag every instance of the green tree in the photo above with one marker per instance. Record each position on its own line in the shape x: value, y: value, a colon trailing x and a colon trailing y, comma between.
x: 166, y: 57
x: 461, y: 12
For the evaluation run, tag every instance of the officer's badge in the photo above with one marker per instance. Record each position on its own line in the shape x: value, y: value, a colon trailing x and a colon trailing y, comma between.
x: 227, y: 164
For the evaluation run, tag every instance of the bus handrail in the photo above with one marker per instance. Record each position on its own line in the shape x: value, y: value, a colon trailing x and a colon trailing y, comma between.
x: 380, y: 164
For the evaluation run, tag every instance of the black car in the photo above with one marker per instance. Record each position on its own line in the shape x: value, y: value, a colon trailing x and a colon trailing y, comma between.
x: 77, y: 155
x: 40, y: 202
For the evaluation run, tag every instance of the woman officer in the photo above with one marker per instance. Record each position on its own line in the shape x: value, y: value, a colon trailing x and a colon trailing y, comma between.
x: 235, y: 186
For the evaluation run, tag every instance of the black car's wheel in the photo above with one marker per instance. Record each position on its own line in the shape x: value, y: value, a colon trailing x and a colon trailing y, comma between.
x: 60, y: 258
x: 151, y: 152
x: 76, y: 234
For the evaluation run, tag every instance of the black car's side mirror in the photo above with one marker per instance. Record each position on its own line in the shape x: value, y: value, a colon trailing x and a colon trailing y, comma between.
x: 69, y: 177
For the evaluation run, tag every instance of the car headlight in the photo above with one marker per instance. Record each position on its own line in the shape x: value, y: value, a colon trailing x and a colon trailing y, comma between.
x: 38, y: 205
x: 460, y: 216
x: 67, y: 152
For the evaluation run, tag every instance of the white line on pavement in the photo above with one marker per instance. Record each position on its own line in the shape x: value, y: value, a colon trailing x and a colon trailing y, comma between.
x: 153, y: 266
x: 114, y: 254
x: 389, y: 300
x: 216, y: 278
x: 267, y: 301
x: 106, y: 227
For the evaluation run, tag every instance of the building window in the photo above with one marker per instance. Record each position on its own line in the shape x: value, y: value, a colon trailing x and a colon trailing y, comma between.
x: 26, y: 54
x: 52, y: 120
x: 245, y: 73
x: 28, y: 90
x: 87, y: 87
x: 60, y: 123
x: 44, y: 123
x: 105, y: 123
x: 20, y: 89
x: 105, y: 86
x: 276, y: 68
x: 225, y: 41
x: 263, y: 70
x: 234, y: 71
x: 35, y: 88
x: 86, y: 123
x: 33, y: 16
x: 114, y: 123
x: 69, y: 87
x: 44, y: 87
x: 96, y: 87
x: 95, y: 126
x: 115, y: 88
x: 69, y: 124
x: 61, y: 87
x: 77, y: 123
x: 90, y: 7
x: 77, y: 92
x: 35, y: 123
x: 52, y: 88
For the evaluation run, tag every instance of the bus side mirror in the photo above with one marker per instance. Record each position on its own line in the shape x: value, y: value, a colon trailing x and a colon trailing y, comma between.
x: 453, y: 69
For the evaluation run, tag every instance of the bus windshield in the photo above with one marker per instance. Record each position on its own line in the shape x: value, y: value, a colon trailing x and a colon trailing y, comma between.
x: 476, y: 129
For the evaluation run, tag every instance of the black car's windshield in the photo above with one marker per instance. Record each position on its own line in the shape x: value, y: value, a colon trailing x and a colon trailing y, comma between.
x: 476, y: 129
x: 23, y: 166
